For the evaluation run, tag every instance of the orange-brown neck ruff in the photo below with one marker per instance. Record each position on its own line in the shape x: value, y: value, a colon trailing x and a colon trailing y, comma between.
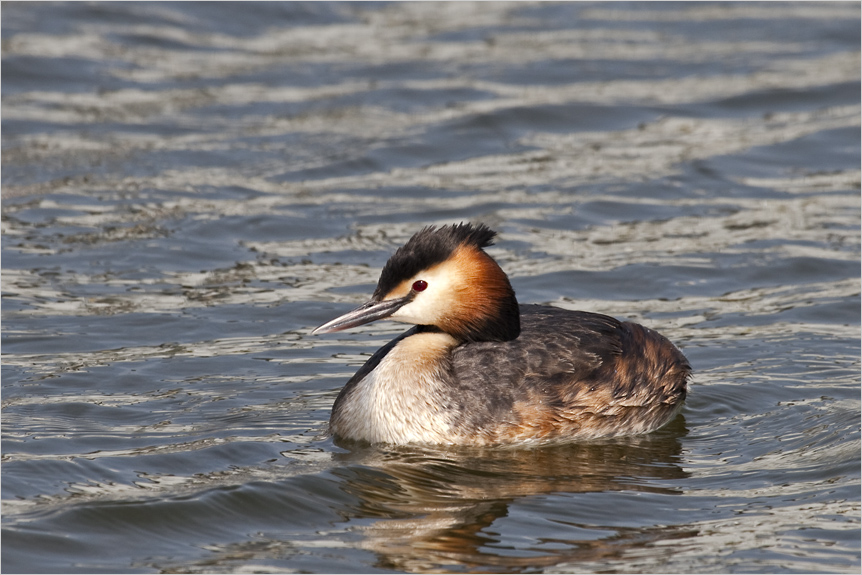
x: 483, y: 306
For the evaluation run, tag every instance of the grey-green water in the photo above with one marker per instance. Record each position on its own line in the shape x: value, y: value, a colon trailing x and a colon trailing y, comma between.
x: 189, y: 189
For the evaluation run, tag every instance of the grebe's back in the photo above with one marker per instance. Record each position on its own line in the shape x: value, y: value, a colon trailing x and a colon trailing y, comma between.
x: 571, y: 375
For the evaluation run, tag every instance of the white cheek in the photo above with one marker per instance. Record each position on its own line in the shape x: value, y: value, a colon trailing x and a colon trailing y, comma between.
x: 421, y: 311
x: 430, y: 305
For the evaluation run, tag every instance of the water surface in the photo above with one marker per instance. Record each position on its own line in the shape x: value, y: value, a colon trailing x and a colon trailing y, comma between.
x: 189, y: 189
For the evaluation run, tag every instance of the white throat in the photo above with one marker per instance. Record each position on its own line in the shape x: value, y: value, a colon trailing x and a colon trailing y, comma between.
x: 400, y: 400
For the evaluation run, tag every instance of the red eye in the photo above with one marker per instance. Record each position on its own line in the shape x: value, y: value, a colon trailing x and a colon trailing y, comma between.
x: 420, y: 285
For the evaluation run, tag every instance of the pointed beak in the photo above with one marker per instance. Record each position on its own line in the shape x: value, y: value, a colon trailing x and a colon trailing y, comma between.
x: 366, y: 313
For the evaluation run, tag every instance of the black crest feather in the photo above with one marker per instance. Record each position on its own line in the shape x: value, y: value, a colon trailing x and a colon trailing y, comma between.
x: 428, y: 247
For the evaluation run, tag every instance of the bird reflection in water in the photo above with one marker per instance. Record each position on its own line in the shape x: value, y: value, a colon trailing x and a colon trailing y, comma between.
x: 435, y: 508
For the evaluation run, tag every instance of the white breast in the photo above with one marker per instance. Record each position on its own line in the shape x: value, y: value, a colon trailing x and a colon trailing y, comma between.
x: 402, y: 400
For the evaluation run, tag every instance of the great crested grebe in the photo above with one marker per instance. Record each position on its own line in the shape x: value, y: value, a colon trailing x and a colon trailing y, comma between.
x: 478, y: 369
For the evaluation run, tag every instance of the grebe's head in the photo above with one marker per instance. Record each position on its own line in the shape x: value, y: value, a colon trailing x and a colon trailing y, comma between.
x: 442, y: 277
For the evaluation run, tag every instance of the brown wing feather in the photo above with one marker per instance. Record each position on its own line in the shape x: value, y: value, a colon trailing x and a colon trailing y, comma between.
x: 568, y: 374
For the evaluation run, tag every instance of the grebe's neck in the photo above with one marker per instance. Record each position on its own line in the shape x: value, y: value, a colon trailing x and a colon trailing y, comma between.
x: 485, y: 308
x: 399, y: 400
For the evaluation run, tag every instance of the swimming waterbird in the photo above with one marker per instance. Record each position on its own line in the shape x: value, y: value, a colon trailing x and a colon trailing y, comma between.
x: 479, y: 369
